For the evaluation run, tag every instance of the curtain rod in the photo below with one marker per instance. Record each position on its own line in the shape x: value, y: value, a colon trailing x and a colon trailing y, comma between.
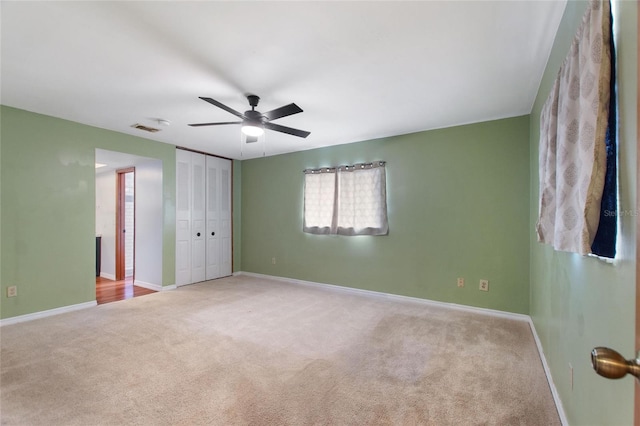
x: 346, y: 168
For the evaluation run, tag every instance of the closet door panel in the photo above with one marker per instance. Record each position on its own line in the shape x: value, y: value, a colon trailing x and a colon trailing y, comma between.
x: 198, y: 214
x: 183, y: 217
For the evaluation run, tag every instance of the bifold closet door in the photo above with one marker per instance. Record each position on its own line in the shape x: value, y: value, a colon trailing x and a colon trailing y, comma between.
x: 190, y: 218
x: 218, y: 217
x: 203, y: 217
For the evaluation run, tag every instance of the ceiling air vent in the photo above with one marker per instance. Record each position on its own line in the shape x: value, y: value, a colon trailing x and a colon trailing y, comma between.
x: 145, y: 128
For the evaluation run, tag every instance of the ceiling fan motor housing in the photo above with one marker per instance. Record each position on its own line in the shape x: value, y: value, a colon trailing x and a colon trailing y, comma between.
x: 254, y: 116
x: 253, y: 100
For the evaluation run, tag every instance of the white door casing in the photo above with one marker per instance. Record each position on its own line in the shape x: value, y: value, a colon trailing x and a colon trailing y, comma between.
x: 213, y: 217
x: 225, y: 219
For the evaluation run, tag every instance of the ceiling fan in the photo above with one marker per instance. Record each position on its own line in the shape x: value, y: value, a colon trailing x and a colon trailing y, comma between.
x: 254, y: 122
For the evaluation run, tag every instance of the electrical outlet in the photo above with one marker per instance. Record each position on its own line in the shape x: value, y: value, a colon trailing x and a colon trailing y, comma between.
x: 12, y: 291
x: 273, y: 260
x: 484, y: 285
x: 460, y: 282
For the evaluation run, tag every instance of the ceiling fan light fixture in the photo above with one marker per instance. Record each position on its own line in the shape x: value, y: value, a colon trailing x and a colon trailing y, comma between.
x: 253, y: 122
x: 252, y: 129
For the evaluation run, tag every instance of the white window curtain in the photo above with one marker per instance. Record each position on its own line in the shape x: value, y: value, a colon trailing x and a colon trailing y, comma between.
x: 346, y: 200
x: 573, y: 125
x: 319, y: 198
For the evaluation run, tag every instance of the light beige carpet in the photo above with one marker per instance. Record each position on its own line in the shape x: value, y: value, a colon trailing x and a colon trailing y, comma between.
x: 250, y: 351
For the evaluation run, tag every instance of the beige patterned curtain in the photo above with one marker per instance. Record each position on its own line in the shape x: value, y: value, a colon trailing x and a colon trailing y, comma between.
x: 573, y: 126
x: 362, y: 200
x: 346, y: 200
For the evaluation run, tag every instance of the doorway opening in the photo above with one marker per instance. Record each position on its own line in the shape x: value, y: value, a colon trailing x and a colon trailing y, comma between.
x: 128, y: 250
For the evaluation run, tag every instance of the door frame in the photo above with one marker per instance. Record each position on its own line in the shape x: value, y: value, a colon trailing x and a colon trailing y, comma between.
x: 637, y: 382
x: 120, y: 221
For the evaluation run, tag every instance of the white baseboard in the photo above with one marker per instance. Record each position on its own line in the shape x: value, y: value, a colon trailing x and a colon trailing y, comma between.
x: 547, y: 371
x: 484, y: 311
x: 47, y: 313
x: 155, y: 287
x: 71, y: 308
x: 169, y: 287
x: 107, y: 276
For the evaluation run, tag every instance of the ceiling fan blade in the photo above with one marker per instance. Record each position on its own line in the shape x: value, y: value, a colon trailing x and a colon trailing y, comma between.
x: 289, y: 130
x: 282, y: 111
x: 222, y: 106
x: 215, y: 124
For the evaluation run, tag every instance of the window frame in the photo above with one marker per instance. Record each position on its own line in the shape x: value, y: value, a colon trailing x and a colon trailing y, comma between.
x: 334, y: 192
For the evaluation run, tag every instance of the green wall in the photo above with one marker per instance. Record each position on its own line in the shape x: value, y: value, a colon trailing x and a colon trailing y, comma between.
x: 577, y: 302
x: 48, y: 208
x: 457, y: 203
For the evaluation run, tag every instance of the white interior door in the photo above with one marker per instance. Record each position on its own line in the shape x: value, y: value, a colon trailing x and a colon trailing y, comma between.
x: 183, y: 217
x: 218, y: 217
x: 198, y: 215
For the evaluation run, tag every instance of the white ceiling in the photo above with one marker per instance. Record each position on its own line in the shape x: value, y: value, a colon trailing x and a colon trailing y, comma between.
x: 359, y: 70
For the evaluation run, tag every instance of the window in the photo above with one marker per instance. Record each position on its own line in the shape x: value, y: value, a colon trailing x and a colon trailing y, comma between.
x: 346, y: 200
x: 577, y: 156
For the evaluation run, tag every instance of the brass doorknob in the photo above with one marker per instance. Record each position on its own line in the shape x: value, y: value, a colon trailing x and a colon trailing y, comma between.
x: 610, y: 364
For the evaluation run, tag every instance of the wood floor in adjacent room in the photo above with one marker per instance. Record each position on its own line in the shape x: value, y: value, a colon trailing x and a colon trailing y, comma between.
x: 111, y: 291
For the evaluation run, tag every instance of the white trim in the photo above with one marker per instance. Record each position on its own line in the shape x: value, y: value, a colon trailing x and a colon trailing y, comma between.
x: 151, y: 286
x: 483, y: 311
x: 107, y: 276
x: 168, y: 287
x: 547, y: 371
x: 47, y: 313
